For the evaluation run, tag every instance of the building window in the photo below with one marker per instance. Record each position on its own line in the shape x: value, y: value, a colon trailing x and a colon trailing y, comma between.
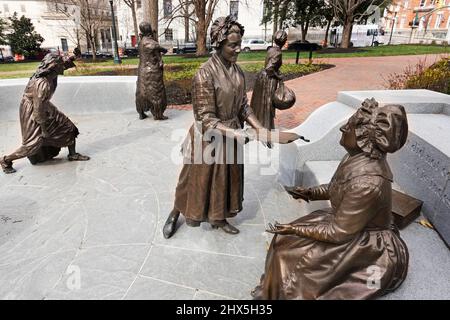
x: 168, y: 33
x: 22, y: 8
x: 64, y: 45
x: 5, y: 8
x: 167, y: 8
x: 422, y: 3
x: 402, y: 22
x: 234, y: 9
x: 405, y: 5
x: 439, y: 19
x: 139, y: 4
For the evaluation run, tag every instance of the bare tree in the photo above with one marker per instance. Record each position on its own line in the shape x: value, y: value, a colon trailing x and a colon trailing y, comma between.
x: 90, y: 15
x: 183, y: 10
x: 204, y: 10
x: 151, y: 8
x: 349, y: 11
x: 132, y: 5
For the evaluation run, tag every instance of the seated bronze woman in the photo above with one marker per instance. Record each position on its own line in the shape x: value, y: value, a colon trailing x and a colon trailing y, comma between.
x: 352, y: 250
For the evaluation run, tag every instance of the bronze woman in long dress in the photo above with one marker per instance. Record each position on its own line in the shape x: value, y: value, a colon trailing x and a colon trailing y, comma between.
x: 213, y: 192
x: 352, y: 250
x: 267, y: 82
x: 150, y: 89
x: 45, y: 129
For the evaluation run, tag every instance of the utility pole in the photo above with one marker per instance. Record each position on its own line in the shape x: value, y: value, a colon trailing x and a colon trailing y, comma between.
x: 116, y: 47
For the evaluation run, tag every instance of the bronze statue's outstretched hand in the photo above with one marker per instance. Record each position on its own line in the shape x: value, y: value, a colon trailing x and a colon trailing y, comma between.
x: 279, y: 228
x: 299, y: 193
x: 272, y: 137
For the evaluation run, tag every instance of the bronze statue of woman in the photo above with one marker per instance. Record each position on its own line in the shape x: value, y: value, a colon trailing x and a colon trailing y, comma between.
x: 213, y: 192
x: 267, y: 81
x: 150, y: 89
x: 45, y: 129
x: 352, y: 250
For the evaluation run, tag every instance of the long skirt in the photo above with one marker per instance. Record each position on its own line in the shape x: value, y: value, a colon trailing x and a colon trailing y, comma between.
x: 61, y: 133
x: 373, y: 263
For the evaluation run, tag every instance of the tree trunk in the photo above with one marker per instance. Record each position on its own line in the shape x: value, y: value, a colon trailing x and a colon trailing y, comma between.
x: 325, y: 41
x: 150, y: 8
x: 78, y: 38
x: 186, y: 20
x: 186, y: 29
x: 154, y: 18
x: 302, y: 26
x: 135, y: 24
x: 201, y: 27
x: 94, y: 47
x: 186, y: 24
x: 276, y: 11
x: 201, y: 36
x: 347, y: 33
x: 283, y: 14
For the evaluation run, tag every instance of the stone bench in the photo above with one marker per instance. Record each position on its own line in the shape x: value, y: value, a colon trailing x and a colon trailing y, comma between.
x: 75, y: 95
x: 421, y: 168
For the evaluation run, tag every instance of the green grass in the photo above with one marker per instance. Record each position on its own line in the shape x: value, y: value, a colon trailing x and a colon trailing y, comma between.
x: 18, y: 66
x: 189, y: 63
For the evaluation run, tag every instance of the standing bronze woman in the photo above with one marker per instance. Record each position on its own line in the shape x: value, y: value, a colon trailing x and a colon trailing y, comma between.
x: 45, y: 129
x: 269, y: 91
x: 352, y: 250
x: 213, y: 192
x: 150, y: 89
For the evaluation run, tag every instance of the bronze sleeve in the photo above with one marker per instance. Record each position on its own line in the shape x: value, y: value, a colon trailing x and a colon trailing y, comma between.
x: 203, y: 100
x: 40, y: 95
x: 357, y: 208
x: 319, y: 193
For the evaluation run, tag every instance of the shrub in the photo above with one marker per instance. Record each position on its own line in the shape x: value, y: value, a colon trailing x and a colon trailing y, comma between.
x: 436, y: 77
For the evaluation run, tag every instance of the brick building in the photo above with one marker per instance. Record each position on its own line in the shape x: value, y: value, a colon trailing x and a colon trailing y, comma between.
x: 424, y: 20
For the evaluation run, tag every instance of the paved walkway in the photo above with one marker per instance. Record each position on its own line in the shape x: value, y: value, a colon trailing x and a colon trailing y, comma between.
x: 92, y: 230
x: 361, y: 73
x: 349, y: 74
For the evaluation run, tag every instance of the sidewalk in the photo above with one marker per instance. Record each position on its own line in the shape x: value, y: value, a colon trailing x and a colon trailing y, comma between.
x: 349, y: 74
x: 92, y: 230
x: 358, y: 73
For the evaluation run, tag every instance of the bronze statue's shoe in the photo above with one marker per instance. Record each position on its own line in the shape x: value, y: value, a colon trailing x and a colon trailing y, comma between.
x: 142, y: 116
x: 170, y: 225
x: 228, y: 228
x: 77, y: 157
x: 7, y: 166
x: 192, y: 223
x: 161, y: 118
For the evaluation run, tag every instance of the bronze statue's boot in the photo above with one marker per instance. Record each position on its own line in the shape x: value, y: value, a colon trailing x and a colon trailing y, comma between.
x: 77, y: 157
x: 192, y: 223
x: 171, y: 224
x: 6, y: 165
x: 160, y: 117
x: 228, y: 228
x: 142, y: 116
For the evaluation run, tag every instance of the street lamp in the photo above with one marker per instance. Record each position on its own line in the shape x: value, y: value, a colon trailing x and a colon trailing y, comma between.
x: 116, y: 47
x: 393, y: 23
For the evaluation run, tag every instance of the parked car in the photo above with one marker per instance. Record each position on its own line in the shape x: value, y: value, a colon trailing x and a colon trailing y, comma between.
x: 254, y: 44
x: 188, y: 47
x: 6, y: 59
x: 131, y: 52
x: 86, y: 55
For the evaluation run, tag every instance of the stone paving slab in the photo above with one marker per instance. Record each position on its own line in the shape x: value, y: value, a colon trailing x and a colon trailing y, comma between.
x: 103, y: 218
